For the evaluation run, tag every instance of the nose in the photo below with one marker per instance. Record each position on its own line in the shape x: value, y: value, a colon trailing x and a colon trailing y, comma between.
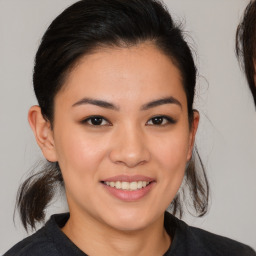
x: 130, y: 148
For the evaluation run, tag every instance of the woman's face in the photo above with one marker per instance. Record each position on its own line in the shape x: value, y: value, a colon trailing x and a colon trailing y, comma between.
x: 121, y: 136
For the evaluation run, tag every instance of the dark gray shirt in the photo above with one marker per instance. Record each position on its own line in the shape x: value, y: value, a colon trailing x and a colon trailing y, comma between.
x: 186, y: 241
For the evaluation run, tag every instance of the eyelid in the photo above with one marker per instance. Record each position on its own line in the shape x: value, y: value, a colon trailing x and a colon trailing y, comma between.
x: 169, y: 119
x: 85, y: 120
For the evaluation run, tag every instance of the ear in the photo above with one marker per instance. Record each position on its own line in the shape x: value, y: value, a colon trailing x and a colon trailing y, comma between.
x: 43, y: 133
x: 193, y: 129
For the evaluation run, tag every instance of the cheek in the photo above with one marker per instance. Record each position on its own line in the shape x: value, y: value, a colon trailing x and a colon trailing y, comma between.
x: 171, y: 158
x: 172, y: 152
x: 78, y: 155
x: 171, y: 155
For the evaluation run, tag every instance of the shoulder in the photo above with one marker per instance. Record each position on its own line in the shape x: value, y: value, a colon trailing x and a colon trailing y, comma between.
x: 47, y: 241
x: 189, y: 240
x: 37, y: 244
x: 218, y: 245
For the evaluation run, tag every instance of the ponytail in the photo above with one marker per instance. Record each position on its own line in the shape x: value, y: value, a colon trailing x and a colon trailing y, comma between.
x: 35, y: 194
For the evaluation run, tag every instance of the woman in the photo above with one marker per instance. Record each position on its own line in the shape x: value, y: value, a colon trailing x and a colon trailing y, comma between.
x: 115, y: 84
x: 246, y: 45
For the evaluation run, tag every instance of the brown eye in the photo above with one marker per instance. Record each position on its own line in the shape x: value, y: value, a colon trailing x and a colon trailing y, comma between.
x: 161, y: 120
x: 157, y: 120
x: 96, y: 121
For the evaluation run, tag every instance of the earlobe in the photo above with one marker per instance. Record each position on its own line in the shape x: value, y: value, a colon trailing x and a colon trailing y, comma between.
x: 193, y: 130
x: 43, y: 133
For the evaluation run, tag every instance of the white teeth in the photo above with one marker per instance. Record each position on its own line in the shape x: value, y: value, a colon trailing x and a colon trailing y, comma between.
x: 139, y: 184
x: 118, y: 185
x: 133, y: 185
x: 124, y: 185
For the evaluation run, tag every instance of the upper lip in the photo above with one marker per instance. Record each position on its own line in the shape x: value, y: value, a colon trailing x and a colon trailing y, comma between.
x: 128, y: 178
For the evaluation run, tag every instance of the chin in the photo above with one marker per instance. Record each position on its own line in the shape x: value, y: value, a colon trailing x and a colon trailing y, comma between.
x: 129, y: 226
x: 130, y: 220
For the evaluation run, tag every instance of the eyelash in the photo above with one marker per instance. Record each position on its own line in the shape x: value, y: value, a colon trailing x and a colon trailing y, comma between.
x: 89, y: 119
x: 166, y: 119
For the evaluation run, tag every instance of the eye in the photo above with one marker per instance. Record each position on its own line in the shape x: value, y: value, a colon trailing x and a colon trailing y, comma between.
x: 96, y: 121
x: 160, y: 120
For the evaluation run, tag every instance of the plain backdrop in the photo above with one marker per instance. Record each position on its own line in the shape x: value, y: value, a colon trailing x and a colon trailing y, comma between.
x: 227, y: 134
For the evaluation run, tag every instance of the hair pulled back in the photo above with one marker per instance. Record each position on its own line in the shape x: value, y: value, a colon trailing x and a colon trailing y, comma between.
x: 79, y: 30
x: 246, y: 45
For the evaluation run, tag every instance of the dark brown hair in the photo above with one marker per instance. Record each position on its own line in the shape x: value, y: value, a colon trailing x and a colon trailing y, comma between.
x: 246, y: 45
x: 77, y: 31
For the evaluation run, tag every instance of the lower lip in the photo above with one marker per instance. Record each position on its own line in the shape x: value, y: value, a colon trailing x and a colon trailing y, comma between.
x: 128, y: 195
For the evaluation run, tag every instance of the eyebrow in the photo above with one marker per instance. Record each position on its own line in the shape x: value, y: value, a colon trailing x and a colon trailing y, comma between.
x: 163, y: 101
x: 108, y: 105
x: 99, y: 103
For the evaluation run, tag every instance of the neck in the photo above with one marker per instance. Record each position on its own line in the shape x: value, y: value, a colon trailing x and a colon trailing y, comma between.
x: 98, y: 239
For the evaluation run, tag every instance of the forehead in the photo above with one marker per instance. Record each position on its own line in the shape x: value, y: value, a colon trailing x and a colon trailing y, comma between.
x: 127, y: 73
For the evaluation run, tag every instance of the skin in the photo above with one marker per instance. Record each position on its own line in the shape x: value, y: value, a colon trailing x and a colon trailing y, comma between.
x: 127, y: 143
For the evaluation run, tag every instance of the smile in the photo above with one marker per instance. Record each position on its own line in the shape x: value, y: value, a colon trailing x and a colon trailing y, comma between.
x: 129, y: 188
x: 124, y: 185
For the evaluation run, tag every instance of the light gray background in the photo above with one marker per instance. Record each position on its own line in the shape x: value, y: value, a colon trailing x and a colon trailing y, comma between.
x: 227, y: 132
